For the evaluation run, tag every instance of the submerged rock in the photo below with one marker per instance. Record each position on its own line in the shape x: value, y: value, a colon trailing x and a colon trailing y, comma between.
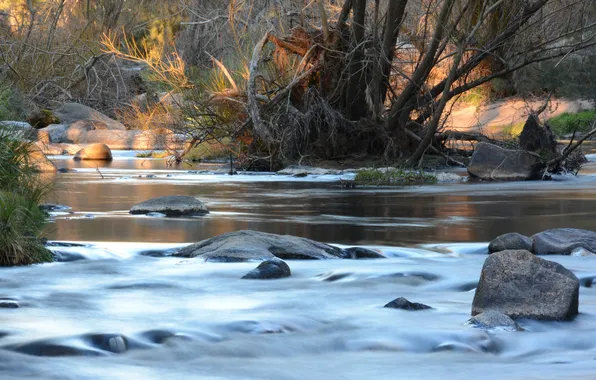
x: 491, y: 162
x: 51, y: 207
x: 253, y: 245
x: 564, y: 241
x: 172, y: 205
x: 510, y: 241
x: 521, y: 285
x: 493, y: 320
x: 362, y: 253
x: 269, y: 270
x: 9, y: 304
x: 99, y: 152
x: 404, y: 304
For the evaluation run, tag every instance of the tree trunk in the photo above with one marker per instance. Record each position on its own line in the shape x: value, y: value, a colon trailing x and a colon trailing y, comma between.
x: 400, y: 110
x: 395, y: 14
x: 355, y: 98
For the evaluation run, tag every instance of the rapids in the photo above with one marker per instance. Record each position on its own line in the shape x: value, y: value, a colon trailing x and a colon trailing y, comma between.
x: 124, y: 310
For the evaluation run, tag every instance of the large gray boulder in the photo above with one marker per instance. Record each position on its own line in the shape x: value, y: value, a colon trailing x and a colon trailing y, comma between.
x: 173, y: 205
x: 73, y: 112
x: 564, y: 241
x: 19, y: 129
x: 253, y: 245
x: 510, y: 242
x: 53, y: 134
x: 491, y: 162
x: 522, y: 285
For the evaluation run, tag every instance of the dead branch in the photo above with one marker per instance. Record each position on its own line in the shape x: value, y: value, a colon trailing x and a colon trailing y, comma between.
x: 572, y: 148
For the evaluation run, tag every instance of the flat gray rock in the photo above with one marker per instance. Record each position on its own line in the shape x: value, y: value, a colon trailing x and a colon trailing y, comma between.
x: 491, y: 162
x: 510, y: 241
x: 522, y: 285
x: 253, y: 245
x: 173, y: 205
x: 564, y: 241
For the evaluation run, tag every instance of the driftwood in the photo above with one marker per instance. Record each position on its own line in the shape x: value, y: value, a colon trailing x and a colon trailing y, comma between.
x: 418, y: 138
x: 463, y: 136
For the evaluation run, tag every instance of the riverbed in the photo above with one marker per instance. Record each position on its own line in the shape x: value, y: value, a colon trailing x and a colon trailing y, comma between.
x: 127, y: 312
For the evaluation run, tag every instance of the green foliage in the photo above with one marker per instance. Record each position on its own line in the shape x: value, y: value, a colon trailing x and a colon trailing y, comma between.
x: 511, y: 131
x: 21, y: 221
x: 42, y: 118
x: 567, y: 123
x: 207, y: 152
x: 393, y: 177
x: 21, y: 190
x: 12, y: 105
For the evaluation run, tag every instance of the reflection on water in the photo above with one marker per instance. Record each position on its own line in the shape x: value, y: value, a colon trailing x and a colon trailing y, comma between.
x: 318, y: 210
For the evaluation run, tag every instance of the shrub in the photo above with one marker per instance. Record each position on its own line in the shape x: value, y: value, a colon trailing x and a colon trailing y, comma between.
x: 393, y: 177
x: 567, y: 123
x: 21, y: 190
x: 12, y: 104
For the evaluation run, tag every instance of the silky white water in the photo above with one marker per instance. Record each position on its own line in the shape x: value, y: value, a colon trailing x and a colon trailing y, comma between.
x: 124, y: 312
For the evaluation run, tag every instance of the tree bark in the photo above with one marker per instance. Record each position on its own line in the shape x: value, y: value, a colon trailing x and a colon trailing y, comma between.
x: 355, y: 98
x: 395, y: 14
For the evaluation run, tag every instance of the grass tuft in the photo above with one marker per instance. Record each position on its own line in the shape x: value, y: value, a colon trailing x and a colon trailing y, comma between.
x: 21, y: 190
x: 393, y: 177
x: 568, y: 123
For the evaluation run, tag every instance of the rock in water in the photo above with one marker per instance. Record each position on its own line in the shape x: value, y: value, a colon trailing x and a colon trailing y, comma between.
x: 171, y: 206
x: 521, y: 285
x: 491, y: 162
x: 511, y: 241
x: 404, y: 304
x: 269, y: 270
x: 564, y: 241
x: 254, y: 245
x: 94, y: 152
x: 493, y: 320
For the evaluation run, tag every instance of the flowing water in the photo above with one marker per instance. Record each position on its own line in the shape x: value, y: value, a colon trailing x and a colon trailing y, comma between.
x: 124, y: 313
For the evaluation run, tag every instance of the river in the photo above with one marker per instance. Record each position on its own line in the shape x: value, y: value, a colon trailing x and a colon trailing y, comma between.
x: 123, y: 313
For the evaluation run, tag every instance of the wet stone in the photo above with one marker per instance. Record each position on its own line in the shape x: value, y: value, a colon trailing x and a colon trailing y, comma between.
x: 9, y: 304
x: 404, y: 304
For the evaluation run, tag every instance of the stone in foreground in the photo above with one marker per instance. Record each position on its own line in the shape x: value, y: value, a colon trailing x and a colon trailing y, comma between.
x: 510, y: 242
x: 253, y: 245
x: 100, y: 152
x: 491, y: 162
x: 171, y: 206
x: 269, y: 270
x: 494, y: 321
x: 564, y: 241
x: 404, y: 304
x: 521, y: 285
